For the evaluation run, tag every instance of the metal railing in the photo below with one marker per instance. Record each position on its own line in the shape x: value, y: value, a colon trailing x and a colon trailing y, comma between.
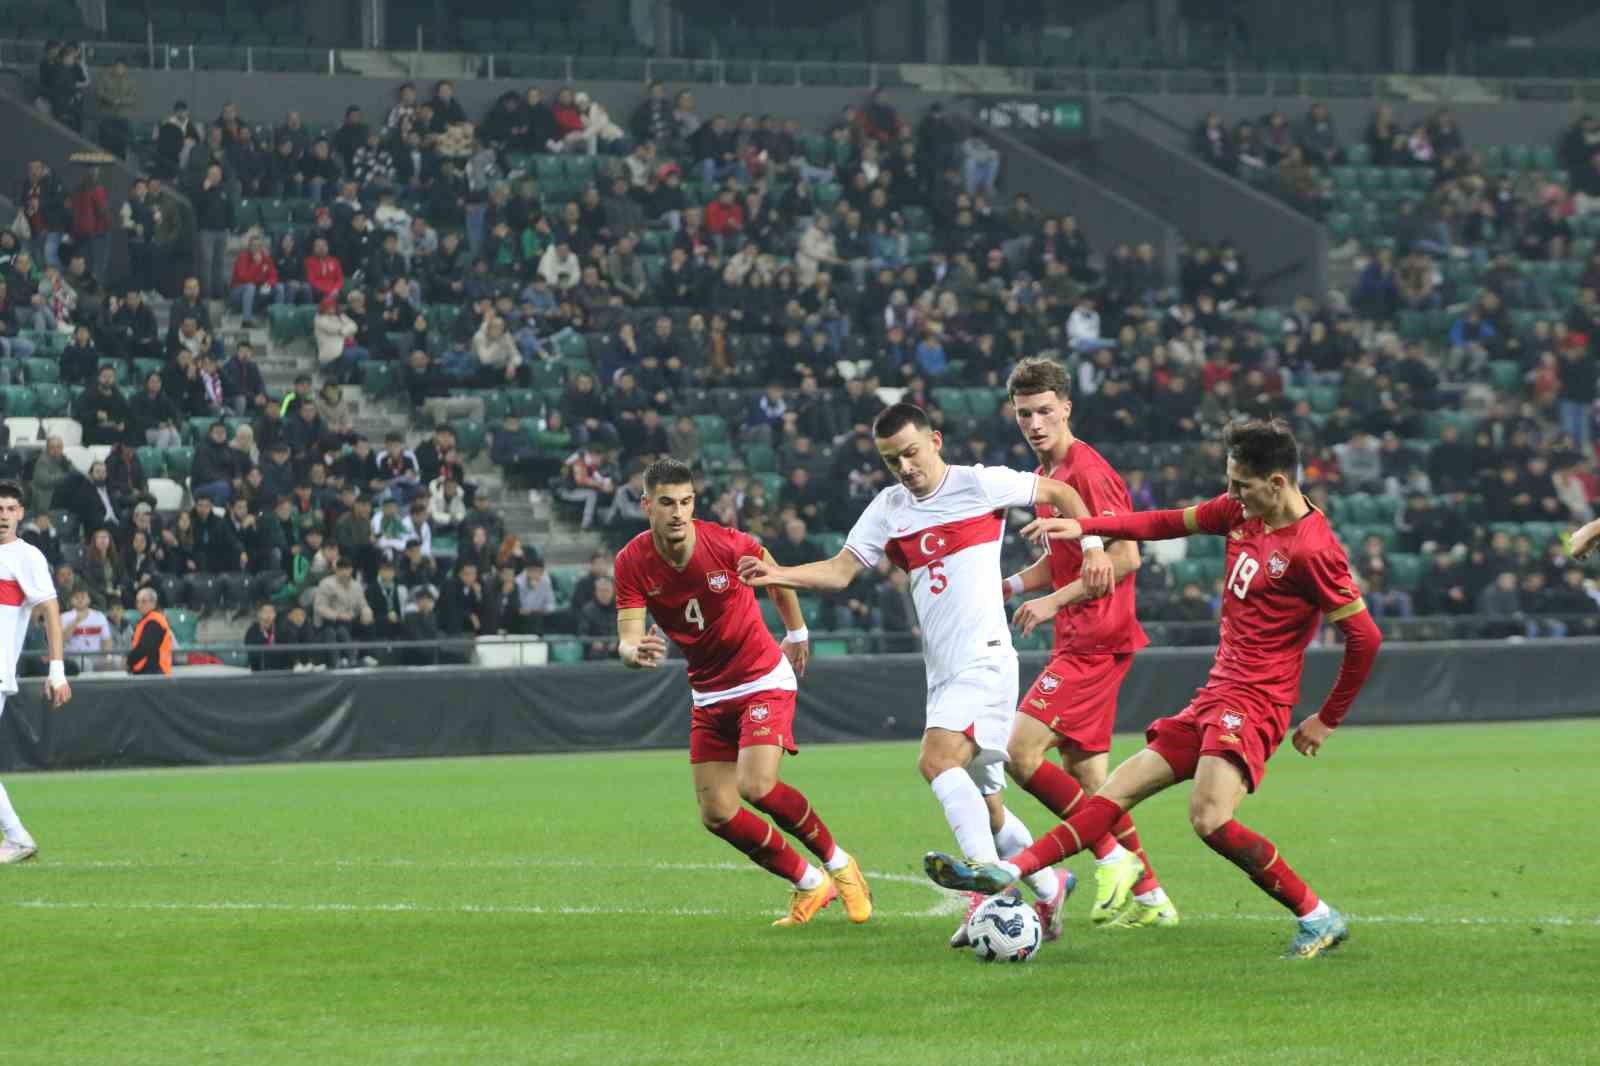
x: 951, y: 78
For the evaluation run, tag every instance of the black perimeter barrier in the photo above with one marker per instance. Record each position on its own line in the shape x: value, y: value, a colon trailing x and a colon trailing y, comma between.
x: 127, y: 722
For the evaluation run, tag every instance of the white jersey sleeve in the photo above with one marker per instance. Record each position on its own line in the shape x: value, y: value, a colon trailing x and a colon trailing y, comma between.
x: 1006, y: 487
x: 870, y: 535
x: 37, y: 583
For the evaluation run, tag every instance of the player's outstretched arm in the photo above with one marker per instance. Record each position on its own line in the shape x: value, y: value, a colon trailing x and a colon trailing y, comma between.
x: 796, y: 638
x: 1029, y: 579
x: 1582, y: 541
x: 637, y: 649
x: 1124, y: 561
x: 827, y: 575
x: 1097, y: 567
x: 56, y: 690
x: 1362, y: 639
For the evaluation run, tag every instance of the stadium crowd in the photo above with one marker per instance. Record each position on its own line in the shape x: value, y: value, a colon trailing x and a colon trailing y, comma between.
x: 737, y: 292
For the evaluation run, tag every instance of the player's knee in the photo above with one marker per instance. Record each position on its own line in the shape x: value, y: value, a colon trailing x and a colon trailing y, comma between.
x: 1207, y: 817
x: 714, y: 813
x: 933, y: 763
x: 754, y: 788
x: 1022, y: 760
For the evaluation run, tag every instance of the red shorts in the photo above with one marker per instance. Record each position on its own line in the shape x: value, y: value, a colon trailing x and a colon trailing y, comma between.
x: 1230, y: 722
x: 1076, y: 697
x: 718, y: 731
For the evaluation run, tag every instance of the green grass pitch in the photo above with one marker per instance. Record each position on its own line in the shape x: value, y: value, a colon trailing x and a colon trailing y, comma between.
x: 570, y: 910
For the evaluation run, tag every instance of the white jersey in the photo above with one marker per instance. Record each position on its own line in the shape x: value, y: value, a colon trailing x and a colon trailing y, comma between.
x: 86, y: 632
x: 948, y: 542
x: 25, y: 582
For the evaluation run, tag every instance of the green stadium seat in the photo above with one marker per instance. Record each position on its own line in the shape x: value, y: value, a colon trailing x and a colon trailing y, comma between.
x: 830, y: 648
x: 51, y: 401
x: 1506, y: 374
x: 566, y: 651
x: 713, y: 429
x: 760, y: 459
x: 1405, y: 570
x: 178, y: 462
x: 18, y: 401
x: 185, y: 625
x: 827, y: 544
x: 377, y: 378
x: 953, y: 402
x: 41, y: 371
x: 153, y: 461
x: 470, y: 436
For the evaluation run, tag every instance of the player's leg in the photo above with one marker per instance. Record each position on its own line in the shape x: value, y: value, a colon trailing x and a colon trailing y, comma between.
x: 1136, y: 780
x: 1027, y: 761
x: 1220, y: 783
x: 714, y: 753
x: 760, y: 786
x: 943, y: 764
x: 1011, y: 837
x: 1119, y: 857
x: 15, y: 843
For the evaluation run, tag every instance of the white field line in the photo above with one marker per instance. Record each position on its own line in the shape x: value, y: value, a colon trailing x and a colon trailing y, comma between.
x: 946, y: 902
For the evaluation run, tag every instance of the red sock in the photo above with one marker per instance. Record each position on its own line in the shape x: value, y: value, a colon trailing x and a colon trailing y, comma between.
x: 1259, y: 858
x: 761, y: 841
x: 792, y: 811
x: 1128, y: 837
x: 1058, y: 790
x: 1093, y: 820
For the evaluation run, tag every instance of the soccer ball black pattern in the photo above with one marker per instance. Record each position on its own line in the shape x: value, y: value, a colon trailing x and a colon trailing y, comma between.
x: 1004, y: 929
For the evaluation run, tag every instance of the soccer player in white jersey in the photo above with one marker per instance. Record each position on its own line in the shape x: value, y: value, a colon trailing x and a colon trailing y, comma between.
x: 943, y: 525
x: 25, y: 583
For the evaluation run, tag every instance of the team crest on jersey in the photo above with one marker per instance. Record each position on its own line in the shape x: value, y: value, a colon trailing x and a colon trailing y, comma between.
x: 719, y: 580
x: 1048, y: 683
x: 759, y: 712
x: 1277, y: 563
x: 653, y: 590
x: 1237, y: 534
x: 1231, y: 721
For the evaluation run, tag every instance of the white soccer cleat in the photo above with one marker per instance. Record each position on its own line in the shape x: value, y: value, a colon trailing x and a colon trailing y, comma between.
x: 11, y: 852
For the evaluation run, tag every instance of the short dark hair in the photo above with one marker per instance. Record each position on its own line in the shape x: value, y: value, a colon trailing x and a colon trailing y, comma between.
x: 1263, y: 446
x: 895, y: 417
x: 10, y: 490
x: 1038, y: 375
x: 667, y: 472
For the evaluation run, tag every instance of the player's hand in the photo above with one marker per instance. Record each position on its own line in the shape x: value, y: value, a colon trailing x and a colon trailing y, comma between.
x: 798, y: 653
x: 1035, y: 613
x: 1097, y: 576
x: 58, y: 695
x: 651, y: 651
x: 757, y: 573
x: 1311, y: 735
x: 1583, y: 541
x: 1042, y: 529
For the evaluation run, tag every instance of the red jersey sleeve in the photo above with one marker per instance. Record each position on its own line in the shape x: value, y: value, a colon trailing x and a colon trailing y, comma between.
x: 1325, y: 577
x: 1217, y: 515
x: 1214, y: 516
x: 1103, y: 492
x: 630, y: 591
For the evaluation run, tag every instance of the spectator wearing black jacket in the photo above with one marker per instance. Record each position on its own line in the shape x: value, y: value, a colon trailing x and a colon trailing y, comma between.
x: 217, y: 467
x: 217, y: 549
x: 461, y: 602
x: 134, y: 330
x: 242, y: 384
x: 102, y: 411
x: 214, y: 219
x: 264, y: 633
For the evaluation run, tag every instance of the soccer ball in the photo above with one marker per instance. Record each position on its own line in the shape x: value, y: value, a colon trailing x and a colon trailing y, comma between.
x: 1004, y: 929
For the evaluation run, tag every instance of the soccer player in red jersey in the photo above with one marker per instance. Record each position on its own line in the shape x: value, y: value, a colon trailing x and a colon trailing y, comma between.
x: 1072, y: 705
x: 684, y: 573
x: 1286, y: 574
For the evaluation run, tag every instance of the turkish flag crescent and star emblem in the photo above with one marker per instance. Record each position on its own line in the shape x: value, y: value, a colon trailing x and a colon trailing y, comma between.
x: 719, y: 580
x: 1048, y: 683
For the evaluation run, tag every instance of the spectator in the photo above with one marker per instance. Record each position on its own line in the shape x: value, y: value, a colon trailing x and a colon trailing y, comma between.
x: 151, y: 650
x: 263, y: 633
x: 597, y: 621
x: 214, y: 215
x: 84, y: 629
x: 341, y: 610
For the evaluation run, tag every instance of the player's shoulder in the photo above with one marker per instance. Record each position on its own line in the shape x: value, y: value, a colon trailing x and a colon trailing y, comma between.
x: 1316, y: 534
x: 1084, y: 456
x: 718, y: 535
x: 632, y: 553
x: 20, y: 551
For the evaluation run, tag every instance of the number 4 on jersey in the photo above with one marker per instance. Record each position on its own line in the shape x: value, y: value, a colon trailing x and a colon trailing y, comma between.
x: 691, y: 613
x: 1243, y: 572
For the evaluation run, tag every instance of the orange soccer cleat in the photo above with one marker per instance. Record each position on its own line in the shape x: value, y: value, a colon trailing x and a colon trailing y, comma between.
x: 853, y: 889
x: 804, y: 905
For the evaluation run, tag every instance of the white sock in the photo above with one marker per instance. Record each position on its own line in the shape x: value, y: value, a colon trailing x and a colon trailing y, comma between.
x: 1117, y: 853
x: 1153, y: 898
x: 1318, y: 912
x: 10, y: 824
x: 1013, y: 838
x: 967, y: 814
x: 838, y: 860
x: 810, y: 879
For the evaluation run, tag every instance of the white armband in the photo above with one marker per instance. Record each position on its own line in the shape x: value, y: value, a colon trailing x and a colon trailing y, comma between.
x: 58, y: 673
x: 1091, y: 543
x: 1014, y: 586
x: 797, y: 636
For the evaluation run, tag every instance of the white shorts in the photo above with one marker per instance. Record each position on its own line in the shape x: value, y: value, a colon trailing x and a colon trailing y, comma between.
x: 981, y: 700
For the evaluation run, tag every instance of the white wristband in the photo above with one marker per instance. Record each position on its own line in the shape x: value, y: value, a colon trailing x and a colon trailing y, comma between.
x: 1091, y: 544
x: 797, y: 636
x: 58, y: 673
x: 1014, y: 585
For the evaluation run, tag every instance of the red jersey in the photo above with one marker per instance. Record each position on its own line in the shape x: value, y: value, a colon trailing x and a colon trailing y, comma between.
x: 710, y: 614
x: 1109, y: 624
x: 1278, y: 587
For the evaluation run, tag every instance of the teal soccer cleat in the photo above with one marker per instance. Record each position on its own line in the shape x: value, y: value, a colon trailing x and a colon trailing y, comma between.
x: 1319, y: 936
x: 951, y: 872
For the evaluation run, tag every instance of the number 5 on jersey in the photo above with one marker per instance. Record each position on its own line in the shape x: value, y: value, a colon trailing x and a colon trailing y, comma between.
x: 1244, y: 570
x: 691, y: 613
x: 938, y: 581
